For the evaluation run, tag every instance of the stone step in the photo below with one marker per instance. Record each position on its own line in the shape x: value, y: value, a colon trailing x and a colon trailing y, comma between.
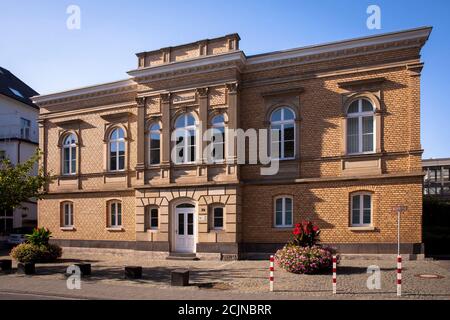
x: 182, y: 256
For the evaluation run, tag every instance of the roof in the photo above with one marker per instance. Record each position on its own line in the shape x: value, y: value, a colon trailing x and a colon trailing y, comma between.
x: 14, y: 88
x: 414, y: 37
x: 436, y: 162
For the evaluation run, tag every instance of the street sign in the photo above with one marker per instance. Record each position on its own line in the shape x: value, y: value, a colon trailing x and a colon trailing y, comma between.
x: 399, y: 208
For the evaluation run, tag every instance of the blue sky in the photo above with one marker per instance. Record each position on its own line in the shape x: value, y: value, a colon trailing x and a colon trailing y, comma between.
x: 37, y: 46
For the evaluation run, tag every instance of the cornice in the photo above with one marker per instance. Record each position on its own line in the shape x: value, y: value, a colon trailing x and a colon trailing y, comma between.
x: 389, y: 41
x: 75, y: 112
x: 101, y: 90
x: 235, y: 59
x: 413, y: 38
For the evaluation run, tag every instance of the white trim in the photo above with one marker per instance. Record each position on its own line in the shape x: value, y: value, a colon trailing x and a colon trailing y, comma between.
x: 117, y: 142
x: 361, y: 210
x: 361, y: 228
x: 69, y: 223
x: 150, y: 132
x: 218, y: 126
x: 360, y: 115
x: 283, y: 212
x: 186, y: 146
x: 116, y: 214
x: 71, y: 155
x: 282, y: 123
x: 174, y: 228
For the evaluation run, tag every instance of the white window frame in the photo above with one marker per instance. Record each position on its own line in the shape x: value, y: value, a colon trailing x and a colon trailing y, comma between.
x: 67, y: 212
x: 186, y: 146
x: 283, y: 212
x: 282, y: 123
x: 115, y: 213
x: 361, y: 209
x: 117, y: 142
x: 25, y: 128
x: 213, y: 208
x: 360, y: 115
x: 220, y: 125
x: 150, y: 132
x: 72, y: 155
x: 149, y: 217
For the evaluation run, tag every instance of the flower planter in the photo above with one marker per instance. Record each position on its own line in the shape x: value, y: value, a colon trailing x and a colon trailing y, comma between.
x: 180, y: 277
x: 6, y: 265
x: 27, y: 268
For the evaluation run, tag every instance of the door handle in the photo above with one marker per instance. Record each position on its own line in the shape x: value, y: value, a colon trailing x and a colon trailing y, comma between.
x: 176, y: 231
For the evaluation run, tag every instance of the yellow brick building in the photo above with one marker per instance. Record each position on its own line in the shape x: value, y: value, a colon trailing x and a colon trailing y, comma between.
x: 347, y: 116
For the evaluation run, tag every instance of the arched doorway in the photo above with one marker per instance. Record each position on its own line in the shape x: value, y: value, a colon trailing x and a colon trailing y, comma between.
x: 184, y: 228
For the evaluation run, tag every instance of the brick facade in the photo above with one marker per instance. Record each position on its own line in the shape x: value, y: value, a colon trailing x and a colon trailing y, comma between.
x: 213, y: 77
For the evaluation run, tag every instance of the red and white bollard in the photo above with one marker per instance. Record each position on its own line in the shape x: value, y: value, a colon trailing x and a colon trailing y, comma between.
x: 334, y: 274
x: 399, y: 275
x: 271, y: 270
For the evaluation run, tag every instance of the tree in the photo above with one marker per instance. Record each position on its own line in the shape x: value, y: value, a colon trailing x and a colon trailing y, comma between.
x: 17, y: 184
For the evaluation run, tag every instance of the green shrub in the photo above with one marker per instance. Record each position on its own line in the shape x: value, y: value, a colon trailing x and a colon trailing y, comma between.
x: 28, y: 252
x: 39, y: 237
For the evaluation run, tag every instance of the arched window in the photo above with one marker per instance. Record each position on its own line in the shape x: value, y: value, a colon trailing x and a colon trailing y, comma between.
x: 218, y: 137
x: 115, y: 214
x: 361, y: 209
x: 360, y: 127
x: 154, y: 144
x: 283, y: 212
x: 185, y: 131
x: 67, y: 214
x: 69, y: 154
x: 117, y: 150
x: 282, y: 123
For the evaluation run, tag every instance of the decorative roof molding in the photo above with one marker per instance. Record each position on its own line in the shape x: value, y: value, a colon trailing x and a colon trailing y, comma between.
x: 388, y: 41
x: 234, y: 59
x: 87, y: 92
x: 413, y: 38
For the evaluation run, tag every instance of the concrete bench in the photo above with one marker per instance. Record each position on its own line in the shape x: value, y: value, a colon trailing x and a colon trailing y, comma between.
x: 27, y: 268
x: 133, y: 272
x: 180, y: 277
x: 6, y: 264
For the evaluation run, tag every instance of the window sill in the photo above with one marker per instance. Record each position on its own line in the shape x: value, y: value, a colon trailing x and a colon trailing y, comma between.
x: 283, y: 228
x: 152, y: 230
x: 361, y: 228
x: 361, y: 155
x: 217, y: 230
x: 115, y: 229
x: 68, y: 175
x: 67, y: 228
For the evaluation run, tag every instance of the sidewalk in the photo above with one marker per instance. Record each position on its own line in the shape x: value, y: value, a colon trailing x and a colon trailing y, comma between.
x: 229, y: 280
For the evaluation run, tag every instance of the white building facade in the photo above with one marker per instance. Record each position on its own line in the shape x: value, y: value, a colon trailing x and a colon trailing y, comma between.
x: 18, y: 142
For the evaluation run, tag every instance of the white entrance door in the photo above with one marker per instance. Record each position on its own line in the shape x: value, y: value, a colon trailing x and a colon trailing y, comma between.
x: 184, y: 228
